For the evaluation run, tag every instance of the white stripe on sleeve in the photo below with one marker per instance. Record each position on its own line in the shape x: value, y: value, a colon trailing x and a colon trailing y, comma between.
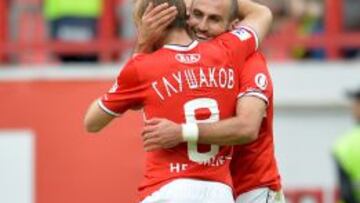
x: 105, y: 109
x: 254, y: 94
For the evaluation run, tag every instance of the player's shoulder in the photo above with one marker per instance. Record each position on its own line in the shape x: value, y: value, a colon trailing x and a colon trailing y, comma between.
x: 131, y: 62
x: 138, y: 58
x: 256, y: 59
x: 129, y: 71
x: 142, y: 58
x: 212, y: 49
x: 138, y: 61
x: 242, y: 33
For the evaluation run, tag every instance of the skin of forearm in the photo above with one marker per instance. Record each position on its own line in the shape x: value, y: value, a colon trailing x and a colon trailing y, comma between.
x: 241, y: 129
x: 96, y: 119
x: 257, y: 16
x: 232, y: 131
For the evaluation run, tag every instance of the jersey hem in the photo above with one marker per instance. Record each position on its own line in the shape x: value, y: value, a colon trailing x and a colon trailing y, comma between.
x: 273, y: 187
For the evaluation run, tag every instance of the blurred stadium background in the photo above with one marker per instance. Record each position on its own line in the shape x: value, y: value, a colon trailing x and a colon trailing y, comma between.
x: 53, y: 64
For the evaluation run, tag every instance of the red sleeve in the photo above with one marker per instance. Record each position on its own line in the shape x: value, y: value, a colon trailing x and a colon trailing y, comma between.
x: 239, y: 43
x: 255, y: 79
x: 126, y: 93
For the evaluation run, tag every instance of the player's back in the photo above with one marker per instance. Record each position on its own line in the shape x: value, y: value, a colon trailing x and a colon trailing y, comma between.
x: 178, y: 75
x: 185, y: 84
x: 188, y: 84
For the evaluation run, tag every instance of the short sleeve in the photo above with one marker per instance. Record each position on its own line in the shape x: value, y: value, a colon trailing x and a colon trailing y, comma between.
x: 126, y: 93
x: 255, y: 79
x: 239, y: 43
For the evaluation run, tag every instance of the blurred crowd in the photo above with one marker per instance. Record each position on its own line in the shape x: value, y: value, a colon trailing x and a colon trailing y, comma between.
x: 78, y: 21
x: 306, y: 18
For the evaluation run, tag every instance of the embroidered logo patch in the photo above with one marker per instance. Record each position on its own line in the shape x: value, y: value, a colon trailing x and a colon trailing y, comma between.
x: 261, y: 81
x: 188, y: 58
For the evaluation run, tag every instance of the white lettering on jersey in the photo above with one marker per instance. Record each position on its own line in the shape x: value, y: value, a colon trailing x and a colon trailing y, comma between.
x: 212, y: 77
x: 169, y: 87
x: 154, y: 86
x: 212, y: 162
x: 177, y: 167
x: 222, y: 78
x: 231, y: 82
x: 178, y: 79
x: 191, y: 79
x: 203, y: 79
x: 195, y: 79
x: 216, y: 161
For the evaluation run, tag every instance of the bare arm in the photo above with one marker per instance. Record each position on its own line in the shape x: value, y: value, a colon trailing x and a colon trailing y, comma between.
x: 96, y: 119
x: 256, y: 16
x: 241, y: 129
x: 124, y: 95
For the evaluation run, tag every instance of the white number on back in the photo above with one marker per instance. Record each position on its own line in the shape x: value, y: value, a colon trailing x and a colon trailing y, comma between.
x: 190, y: 108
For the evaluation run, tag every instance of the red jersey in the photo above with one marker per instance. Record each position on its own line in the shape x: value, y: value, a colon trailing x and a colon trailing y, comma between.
x: 254, y: 164
x: 196, y: 83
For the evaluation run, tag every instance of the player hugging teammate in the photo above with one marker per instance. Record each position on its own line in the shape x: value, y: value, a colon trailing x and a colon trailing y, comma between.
x: 208, y: 104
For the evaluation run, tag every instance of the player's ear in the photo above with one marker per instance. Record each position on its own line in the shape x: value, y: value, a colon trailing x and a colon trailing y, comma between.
x: 233, y: 24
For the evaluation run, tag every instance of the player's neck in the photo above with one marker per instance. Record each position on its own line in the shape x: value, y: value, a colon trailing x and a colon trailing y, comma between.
x: 178, y: 36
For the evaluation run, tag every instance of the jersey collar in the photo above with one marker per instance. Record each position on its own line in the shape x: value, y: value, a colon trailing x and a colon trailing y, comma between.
x: 176, y: 47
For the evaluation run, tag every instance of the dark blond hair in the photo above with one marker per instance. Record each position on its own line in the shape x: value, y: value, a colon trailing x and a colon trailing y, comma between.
x: 234, y: 10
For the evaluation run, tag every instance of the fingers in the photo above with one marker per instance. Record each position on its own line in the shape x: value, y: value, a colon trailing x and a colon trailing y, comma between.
x: 149, y: 135
x: 169, y: 12
x: 163, y: 26
x: 165, y: 21
x: 148, y: 8
x: 153, y: 121
x: 152, y: 140
x: 151, y: 127
x: 157, y: 9
x: 152, y: 144
x: 154, y: 21
x: 159, y: 13
x: 162, y: 20
x: 148, y: 129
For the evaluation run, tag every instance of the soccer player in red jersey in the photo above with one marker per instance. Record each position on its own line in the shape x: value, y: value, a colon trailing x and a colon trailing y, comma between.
x: 202, y: 80
x: 254, y: 169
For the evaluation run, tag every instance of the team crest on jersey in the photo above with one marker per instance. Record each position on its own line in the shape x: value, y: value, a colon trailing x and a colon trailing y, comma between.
x: 261, y: 81
x: 242, y: 34
x: 188, y: 58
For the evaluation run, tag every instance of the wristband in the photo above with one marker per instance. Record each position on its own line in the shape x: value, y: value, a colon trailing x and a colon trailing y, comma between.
x: 190, y: 132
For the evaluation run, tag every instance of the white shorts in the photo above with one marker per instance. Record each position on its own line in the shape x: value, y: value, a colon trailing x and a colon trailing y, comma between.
x: 192, y: 191
x: 261, y: 195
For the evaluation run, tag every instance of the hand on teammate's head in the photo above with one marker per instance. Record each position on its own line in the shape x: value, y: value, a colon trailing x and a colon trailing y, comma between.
x: 152, y: 25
